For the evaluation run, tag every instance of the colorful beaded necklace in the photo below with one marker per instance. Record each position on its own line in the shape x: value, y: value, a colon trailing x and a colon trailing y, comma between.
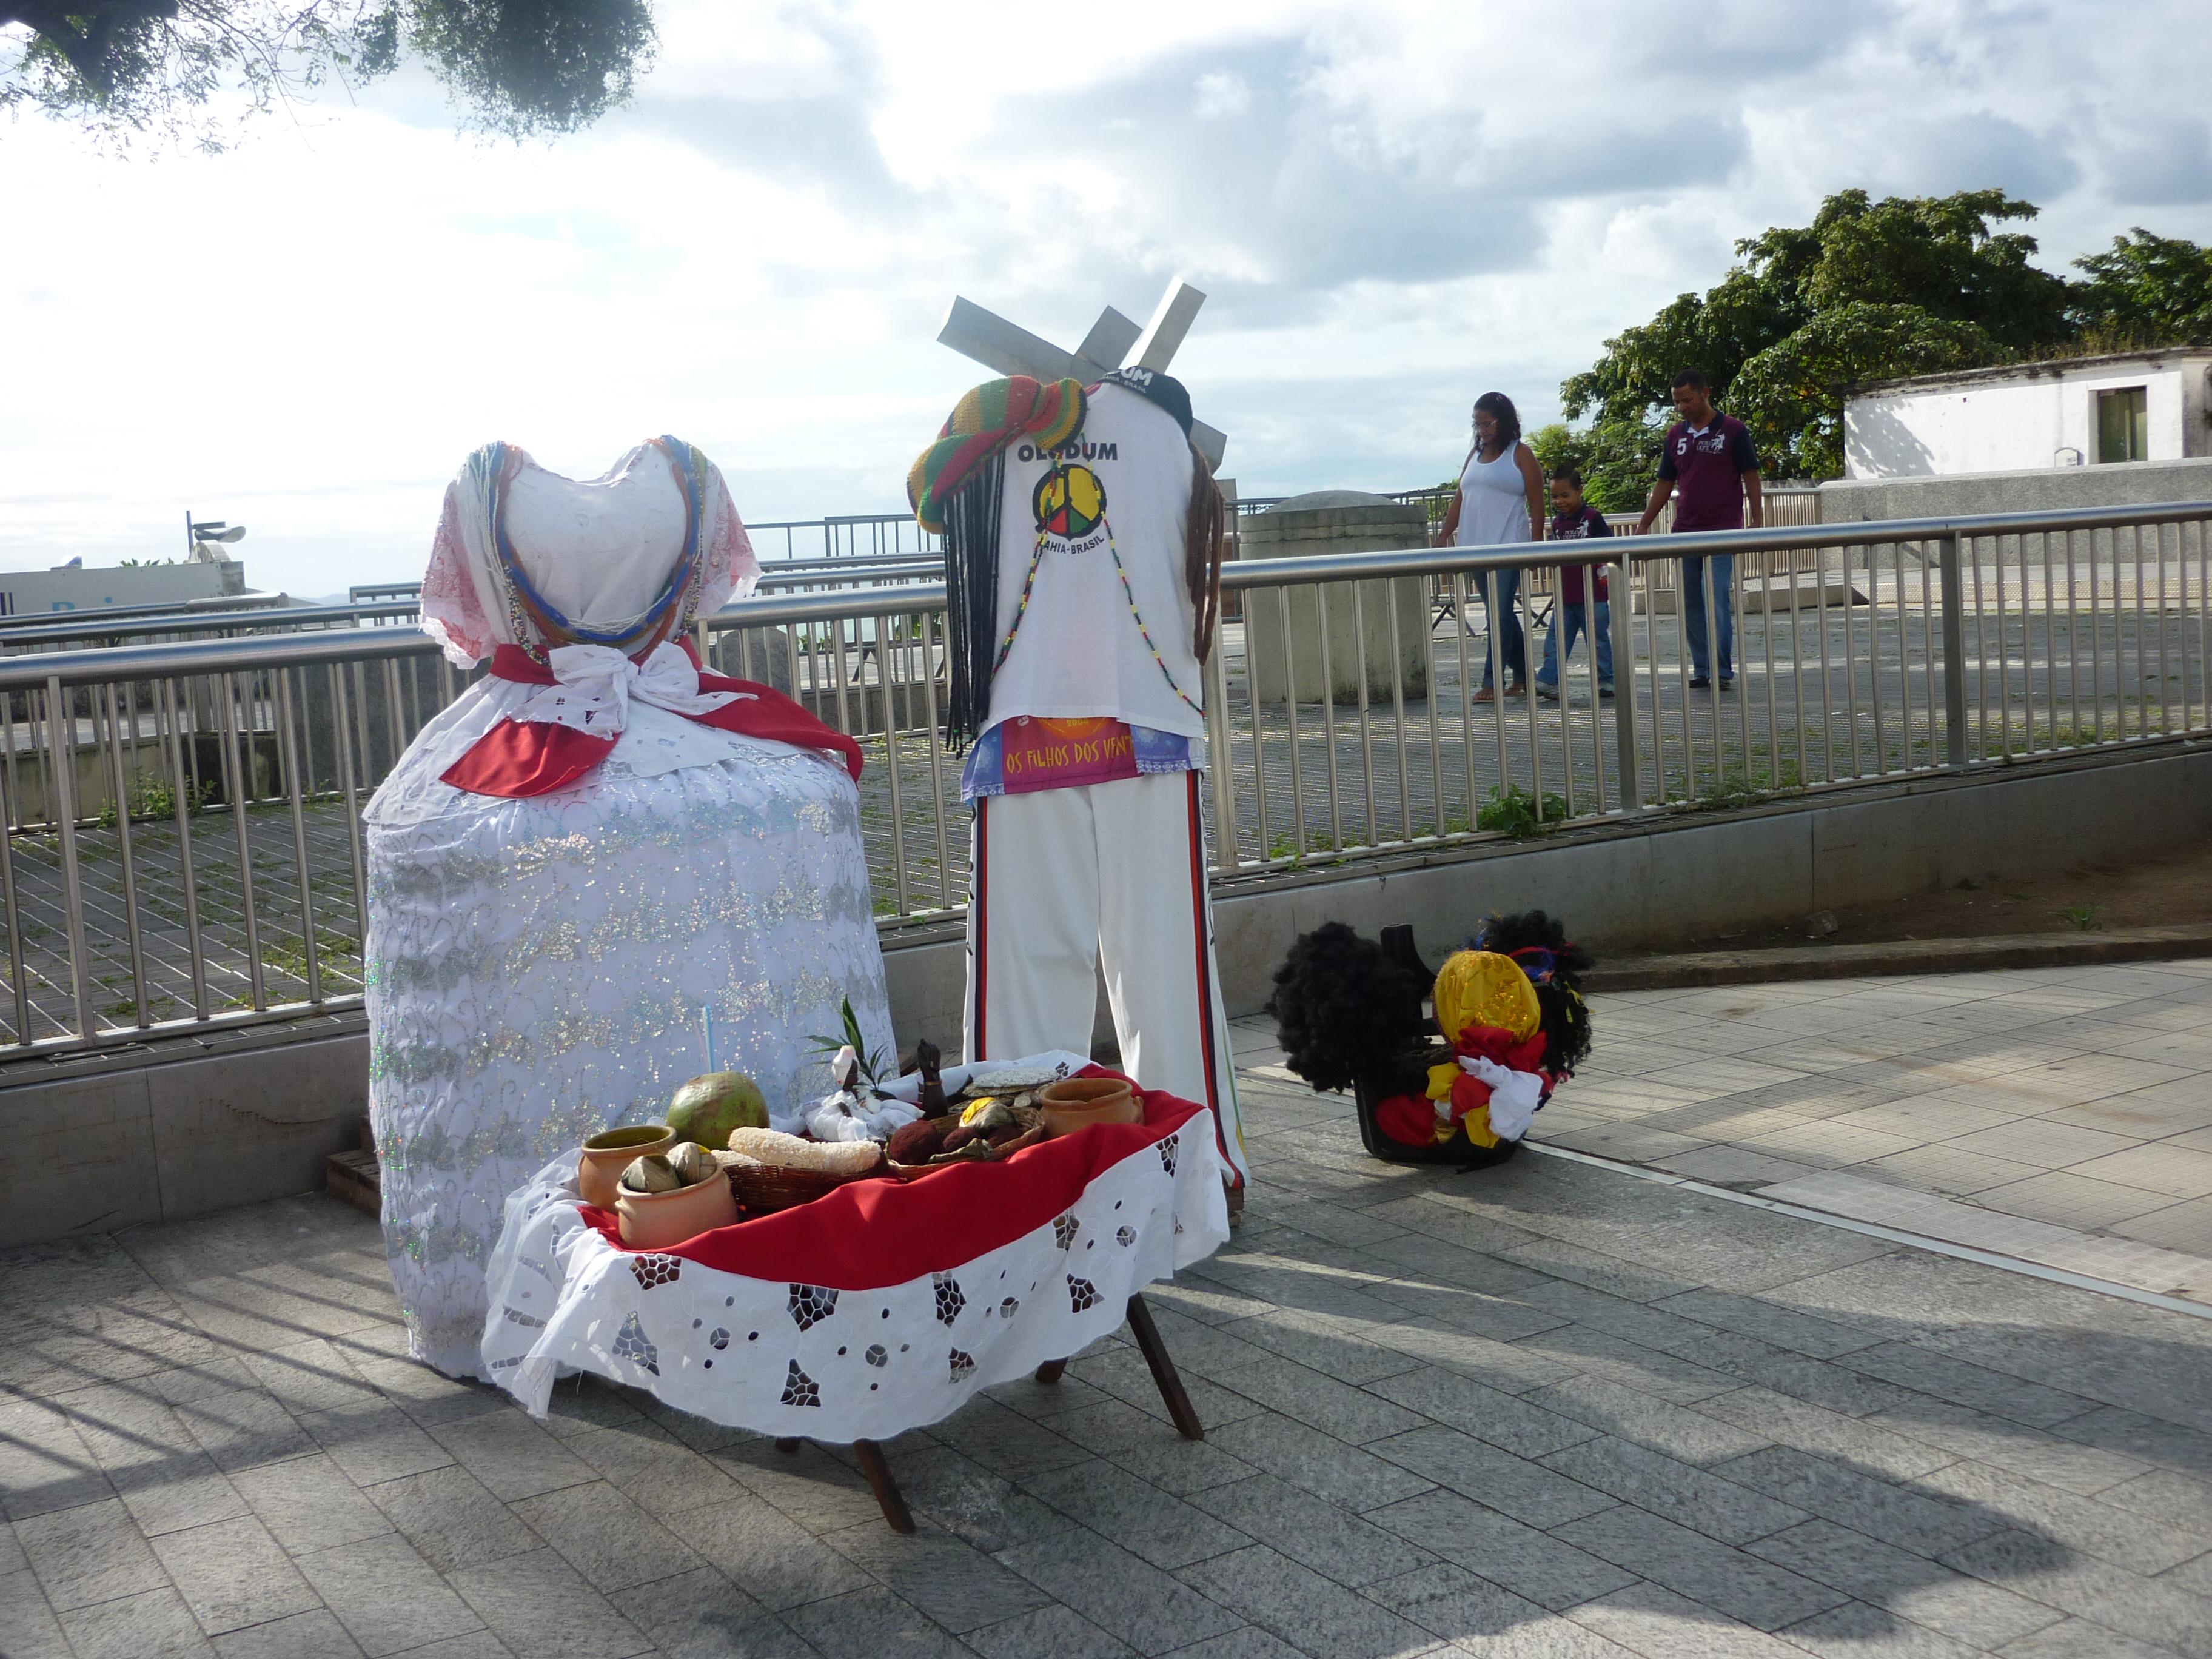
x: 531, y: 612
x: 1029, y: 581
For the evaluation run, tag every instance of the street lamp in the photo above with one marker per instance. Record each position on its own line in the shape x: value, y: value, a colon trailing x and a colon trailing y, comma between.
x: 202, y: 535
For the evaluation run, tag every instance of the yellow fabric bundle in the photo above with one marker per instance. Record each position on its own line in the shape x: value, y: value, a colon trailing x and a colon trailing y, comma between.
x: 1481, y: 987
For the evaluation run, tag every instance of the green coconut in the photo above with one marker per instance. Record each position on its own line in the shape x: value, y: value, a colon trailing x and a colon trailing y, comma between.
x: 707, y: 1109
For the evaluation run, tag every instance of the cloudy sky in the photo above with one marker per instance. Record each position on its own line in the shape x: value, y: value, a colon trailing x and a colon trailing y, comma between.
x: 1393, y: 206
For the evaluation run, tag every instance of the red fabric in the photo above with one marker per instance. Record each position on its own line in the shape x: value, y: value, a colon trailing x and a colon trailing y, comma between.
x: 868, y: 1235
x: 1410, y: 1120
x: 979, y: 913
x: 1036, y: 754
x: 1491, y: 1042
x: 1495, y: 1042
x: 1203, y: 935
x: 776, y: 717
x: 520, y: 759
x: 517, y: 759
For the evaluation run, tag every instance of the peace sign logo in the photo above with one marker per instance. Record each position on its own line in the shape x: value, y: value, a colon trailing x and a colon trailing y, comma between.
x: 1069, y: 502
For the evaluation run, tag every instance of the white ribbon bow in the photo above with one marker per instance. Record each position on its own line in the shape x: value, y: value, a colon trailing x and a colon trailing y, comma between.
x: 595, y: 684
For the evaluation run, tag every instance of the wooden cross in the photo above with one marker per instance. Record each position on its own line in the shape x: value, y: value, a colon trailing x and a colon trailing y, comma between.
x: 996, y: 344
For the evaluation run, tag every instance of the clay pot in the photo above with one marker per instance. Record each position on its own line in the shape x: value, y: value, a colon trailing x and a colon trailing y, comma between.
x: 606, y: 1156
x: 653, y: 1221
x: 1077, y: 1102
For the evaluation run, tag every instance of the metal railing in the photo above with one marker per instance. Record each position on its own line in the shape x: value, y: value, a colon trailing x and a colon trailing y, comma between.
x: 185, y: 850
x: 848, y: 536
x: 141, y: 624
x: 95, y: 629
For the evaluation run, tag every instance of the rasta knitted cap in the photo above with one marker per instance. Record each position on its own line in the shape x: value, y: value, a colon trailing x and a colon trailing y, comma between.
x: 985, y: 420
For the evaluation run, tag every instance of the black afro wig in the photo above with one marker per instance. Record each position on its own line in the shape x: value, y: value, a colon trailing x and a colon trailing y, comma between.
x: 1345, y: 1011
x: 1559, y: 998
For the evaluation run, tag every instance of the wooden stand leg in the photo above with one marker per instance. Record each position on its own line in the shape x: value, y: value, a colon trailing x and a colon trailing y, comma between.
x: 880, y: 1482
x: 786, y: 1447
x: 1164, y: 1371
x: 1052, y: 1370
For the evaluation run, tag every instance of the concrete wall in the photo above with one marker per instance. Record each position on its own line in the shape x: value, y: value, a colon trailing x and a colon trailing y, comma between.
x: 1668, y: 881
x: 123, y: 1145
x: 1846, y: 501
x: 2042, y: 415
x: 255, y: 1118
x: 1669, y: 878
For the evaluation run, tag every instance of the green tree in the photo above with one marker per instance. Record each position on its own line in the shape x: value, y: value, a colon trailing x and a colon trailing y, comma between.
x: 187, y: 71
x: 1869, y: 290
x: 1939, y: 253
x: 1793, y: 390
x: 2148, y: 291
x: 1616, y: 459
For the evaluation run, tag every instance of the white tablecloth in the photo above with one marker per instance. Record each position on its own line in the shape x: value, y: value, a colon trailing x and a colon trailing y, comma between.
x: 778, y: 1354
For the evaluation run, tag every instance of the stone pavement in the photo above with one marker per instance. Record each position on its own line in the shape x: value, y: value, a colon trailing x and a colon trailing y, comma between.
x: 2062, y: 1114
x: 1547, y: 1409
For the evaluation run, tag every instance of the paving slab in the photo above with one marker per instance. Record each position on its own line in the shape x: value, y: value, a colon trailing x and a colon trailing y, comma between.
x: 1548, y: 1411
x: 2052, y: 1115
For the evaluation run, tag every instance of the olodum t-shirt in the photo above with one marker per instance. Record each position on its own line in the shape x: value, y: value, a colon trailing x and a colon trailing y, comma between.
x: 1101, y: 673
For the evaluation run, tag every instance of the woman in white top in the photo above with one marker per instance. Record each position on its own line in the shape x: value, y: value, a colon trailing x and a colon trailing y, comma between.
x: 1500, y: 499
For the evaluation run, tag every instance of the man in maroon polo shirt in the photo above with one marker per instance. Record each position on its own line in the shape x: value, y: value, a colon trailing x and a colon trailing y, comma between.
x: 1709, y: 466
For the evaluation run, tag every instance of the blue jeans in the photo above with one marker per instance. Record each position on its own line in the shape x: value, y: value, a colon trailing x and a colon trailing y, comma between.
x: 1504, y: 624
x: 1694, y: 612
x: 1571, y: 620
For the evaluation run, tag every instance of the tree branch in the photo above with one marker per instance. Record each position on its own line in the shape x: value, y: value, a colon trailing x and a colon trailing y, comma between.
x: 87, y: 51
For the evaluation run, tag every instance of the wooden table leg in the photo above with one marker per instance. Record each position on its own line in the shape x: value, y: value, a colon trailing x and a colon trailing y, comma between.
x: 880, y: 1482
x: 1164, y: 1371
x: 1052, y: 1370
x: 787, y: 1447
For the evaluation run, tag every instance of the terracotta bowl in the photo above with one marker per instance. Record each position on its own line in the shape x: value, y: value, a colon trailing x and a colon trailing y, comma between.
x: 606, y: 1156
x: 1077, y: 1102
x: 653, y: 1221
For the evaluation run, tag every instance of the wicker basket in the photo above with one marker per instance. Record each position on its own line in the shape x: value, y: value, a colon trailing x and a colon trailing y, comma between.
x: 1459, y: 1151
x: 1028, y: 1137
x: 765, y: 1188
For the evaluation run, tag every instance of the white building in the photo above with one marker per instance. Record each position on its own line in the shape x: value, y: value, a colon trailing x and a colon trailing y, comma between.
x: 2081, y: 412
x: 74, y: 587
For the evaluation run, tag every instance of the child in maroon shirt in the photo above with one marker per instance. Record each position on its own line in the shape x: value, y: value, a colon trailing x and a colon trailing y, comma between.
x: 1574, y: 519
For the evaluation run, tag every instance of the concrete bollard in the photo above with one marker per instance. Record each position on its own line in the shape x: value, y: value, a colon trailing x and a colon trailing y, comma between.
x: 1338, y: 521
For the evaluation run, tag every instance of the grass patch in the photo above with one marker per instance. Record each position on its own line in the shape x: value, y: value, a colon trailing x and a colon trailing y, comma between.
x: 1520, y: 813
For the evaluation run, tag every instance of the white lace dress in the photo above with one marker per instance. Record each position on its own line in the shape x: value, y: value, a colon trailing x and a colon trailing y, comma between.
x: 542, y: 968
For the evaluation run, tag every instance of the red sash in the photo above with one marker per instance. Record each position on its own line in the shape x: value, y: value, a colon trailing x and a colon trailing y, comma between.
x: 517, y: 759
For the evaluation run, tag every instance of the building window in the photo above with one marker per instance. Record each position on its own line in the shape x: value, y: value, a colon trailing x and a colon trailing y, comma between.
x: 2123, y: 425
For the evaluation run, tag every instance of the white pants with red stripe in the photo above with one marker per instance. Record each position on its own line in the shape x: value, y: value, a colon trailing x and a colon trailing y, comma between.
x: 1112, y: 875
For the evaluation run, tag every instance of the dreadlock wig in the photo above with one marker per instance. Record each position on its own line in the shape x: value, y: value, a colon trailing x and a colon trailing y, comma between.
x: 971, y: 599
x: 956, y: 487
x: 1555, y: 967
x: 1205, y: 525
x: 1205, y: 531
